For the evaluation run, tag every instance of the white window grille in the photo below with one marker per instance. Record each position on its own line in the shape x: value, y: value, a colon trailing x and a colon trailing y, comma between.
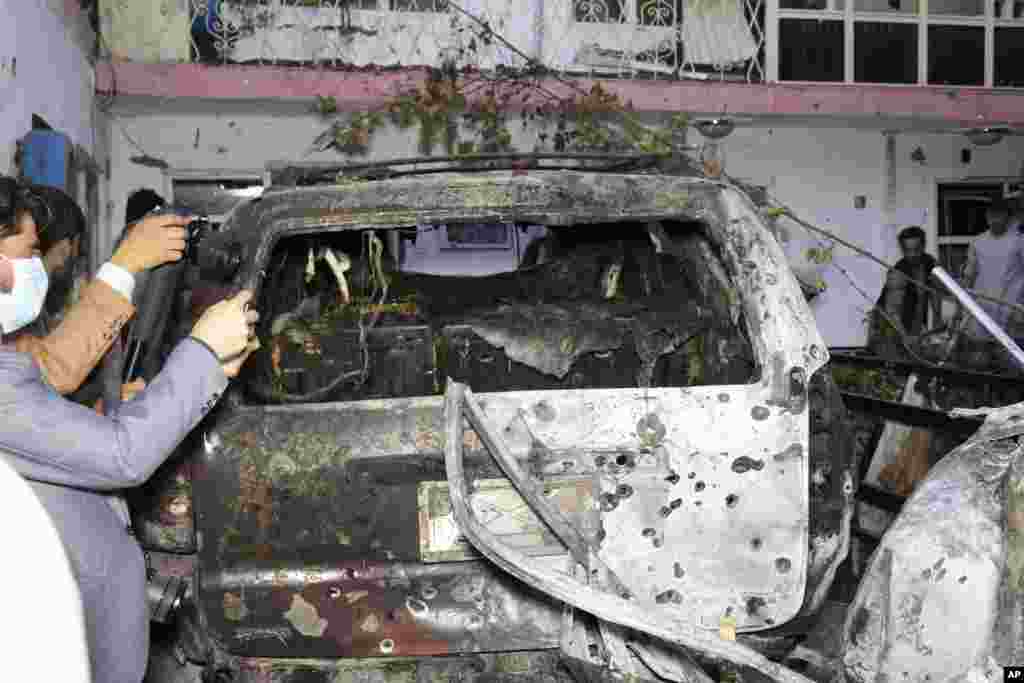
x: 688, y: 38
x: 720, y: 39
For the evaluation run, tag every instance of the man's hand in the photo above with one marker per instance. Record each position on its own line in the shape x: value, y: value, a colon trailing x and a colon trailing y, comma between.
x: 151, y: 242
x: 227, y: 328
x: 232, y: 367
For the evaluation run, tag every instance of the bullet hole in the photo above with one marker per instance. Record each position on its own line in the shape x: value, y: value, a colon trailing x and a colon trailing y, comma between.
x: 744, y: 464
x: 665, y: 511
x: 594, y: 650
x: 601, y: 535
x: 962, y: 579
x: 334, y: 592
x: 387, y: 646
x: 624, y: 460
x: 678, y: 570
x: 648, y: 532
x: 668, y: 596
x: 416, y: 606
x: 609, y: 501
x: 544, y: 411
x: 624, y: 491
x: 672, y: 478
x: 428, y: 592
x: 754, y: 603
x: 657, y: 542
x: 699, y: 486
x: 568, y: 464
x: 723, y: 398
x: 698, y: 503
x: 755, y: 543
x: 760, y: 413
x: 731, y: 500
x: 676, y: 503
x: 783, y: 565
x: 600, y: 460
x: 691, y: 475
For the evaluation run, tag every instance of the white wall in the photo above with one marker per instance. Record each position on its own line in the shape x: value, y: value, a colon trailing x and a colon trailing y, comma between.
x: 53, y: 77
x: 818, y: 172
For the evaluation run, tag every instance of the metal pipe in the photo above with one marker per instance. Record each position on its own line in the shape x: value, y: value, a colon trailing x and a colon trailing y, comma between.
x: 979, y: 314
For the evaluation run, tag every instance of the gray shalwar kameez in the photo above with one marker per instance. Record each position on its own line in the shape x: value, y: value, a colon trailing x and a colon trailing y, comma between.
x: 74, y: 457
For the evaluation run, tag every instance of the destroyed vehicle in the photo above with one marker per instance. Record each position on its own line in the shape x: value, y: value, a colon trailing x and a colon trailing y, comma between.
x: 509, y: 424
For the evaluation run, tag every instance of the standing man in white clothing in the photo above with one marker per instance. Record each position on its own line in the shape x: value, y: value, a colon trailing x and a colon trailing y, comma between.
x: 988, y: 271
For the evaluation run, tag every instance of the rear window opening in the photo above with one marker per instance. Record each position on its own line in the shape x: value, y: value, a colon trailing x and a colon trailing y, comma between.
x: 361, y: 314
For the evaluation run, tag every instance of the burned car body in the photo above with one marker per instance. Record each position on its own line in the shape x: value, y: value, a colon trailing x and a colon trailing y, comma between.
x: 656, y: 373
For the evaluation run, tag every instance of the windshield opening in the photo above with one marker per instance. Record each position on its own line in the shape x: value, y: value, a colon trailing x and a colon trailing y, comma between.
x: 371, y: 314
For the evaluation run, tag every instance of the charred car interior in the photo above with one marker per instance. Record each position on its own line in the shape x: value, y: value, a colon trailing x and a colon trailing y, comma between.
x: 588, y: 306
x: 510, y: 426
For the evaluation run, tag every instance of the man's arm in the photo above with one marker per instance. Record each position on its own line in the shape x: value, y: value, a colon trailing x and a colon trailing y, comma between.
x: 47, y: 438
x: 67, y: 355
x: 967, y: 280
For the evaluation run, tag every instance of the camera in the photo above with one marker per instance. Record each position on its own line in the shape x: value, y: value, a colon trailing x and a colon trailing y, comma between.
x: 196, y: 231
x: 214, y: 262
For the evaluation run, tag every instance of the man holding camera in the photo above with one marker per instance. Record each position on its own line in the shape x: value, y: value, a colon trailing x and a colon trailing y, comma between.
x: 67, y: 354
x: 73, y: 458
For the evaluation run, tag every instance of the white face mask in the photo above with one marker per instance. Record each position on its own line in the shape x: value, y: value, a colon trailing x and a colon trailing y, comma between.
x: 23, y: 303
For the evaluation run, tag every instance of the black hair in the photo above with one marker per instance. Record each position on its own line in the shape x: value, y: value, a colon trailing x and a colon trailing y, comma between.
x: 57, y: 218
x: 16, y: 199
x: 140, y: 203
x: 911, y: 232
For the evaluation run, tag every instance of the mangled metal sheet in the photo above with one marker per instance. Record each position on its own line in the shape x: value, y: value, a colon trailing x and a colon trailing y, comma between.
x: 548, y: 337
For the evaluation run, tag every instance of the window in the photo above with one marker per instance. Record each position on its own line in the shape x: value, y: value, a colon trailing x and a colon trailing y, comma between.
x: 810, y: 50
x: 1009, y: 67
x: 659, y: 12
x: 961, y: 217
x: 938, y: 42
x: 884, y: 52
x: 956, y: 55
x: 598, y: 11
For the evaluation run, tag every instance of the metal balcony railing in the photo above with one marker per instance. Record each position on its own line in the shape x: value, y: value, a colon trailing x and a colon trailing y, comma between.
x: 706, y: 39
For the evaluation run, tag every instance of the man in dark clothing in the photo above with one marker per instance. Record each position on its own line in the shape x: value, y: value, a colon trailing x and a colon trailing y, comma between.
x: 904, y: 301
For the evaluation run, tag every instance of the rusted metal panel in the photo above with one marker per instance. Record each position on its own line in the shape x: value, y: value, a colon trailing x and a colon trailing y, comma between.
x: 370, y: 609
